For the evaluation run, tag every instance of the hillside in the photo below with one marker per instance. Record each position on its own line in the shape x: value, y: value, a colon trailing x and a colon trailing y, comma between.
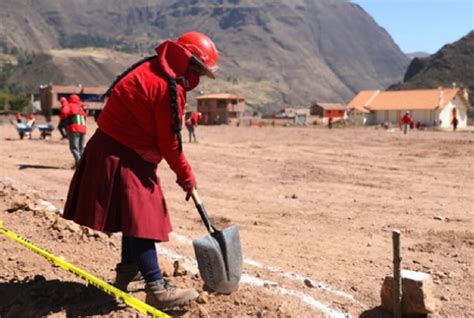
x: 453, y: 63
x: 86, y: 66
x: 272, y: 52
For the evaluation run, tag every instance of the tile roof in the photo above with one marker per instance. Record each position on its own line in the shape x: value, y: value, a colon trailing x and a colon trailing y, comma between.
x: 219, y: 96
x: 401, y: 100
x: 360, y: 101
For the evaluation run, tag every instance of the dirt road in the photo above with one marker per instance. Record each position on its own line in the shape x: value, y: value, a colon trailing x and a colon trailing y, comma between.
x: 315, y: 209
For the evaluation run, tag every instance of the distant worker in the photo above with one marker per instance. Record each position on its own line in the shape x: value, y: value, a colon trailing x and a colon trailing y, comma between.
x: 31, y: 120
x: 407, y: 121
x: 116, y: 187
x: 75, y: 117
x: 455, y: 122
x: 18, y: 116
x: 330, y: 121
x: 62, y: 126
x: 191, y: 125
x: 30, y: 124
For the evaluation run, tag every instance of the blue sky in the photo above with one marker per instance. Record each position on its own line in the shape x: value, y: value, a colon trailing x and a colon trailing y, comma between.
x: 422, y: 25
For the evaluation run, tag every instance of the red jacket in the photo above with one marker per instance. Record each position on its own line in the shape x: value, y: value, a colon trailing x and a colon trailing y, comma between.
x: 406, y: 119
x: 138, y: 111
x: 64, y: 103
x: 193, y: 119
x: 75, y: 117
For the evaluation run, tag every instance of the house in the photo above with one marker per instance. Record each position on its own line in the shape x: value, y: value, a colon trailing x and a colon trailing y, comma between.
x: 326, y: 110
x: 429, y: 107
x: 292, y: 115
x: 49, y: 96
x: 220, y: 108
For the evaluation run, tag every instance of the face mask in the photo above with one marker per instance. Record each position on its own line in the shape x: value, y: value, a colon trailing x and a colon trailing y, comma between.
x: 189, y: 81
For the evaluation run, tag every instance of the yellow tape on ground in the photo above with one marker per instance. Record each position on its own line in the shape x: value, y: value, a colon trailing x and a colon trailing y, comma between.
x: 109, y: 289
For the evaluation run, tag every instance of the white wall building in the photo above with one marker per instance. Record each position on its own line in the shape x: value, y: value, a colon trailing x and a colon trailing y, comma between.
x: 430, y: 107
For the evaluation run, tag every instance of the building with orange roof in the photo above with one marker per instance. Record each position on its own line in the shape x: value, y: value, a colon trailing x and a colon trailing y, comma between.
x: 220, y: 108
x: 326, y: 110
x: 429, y: 107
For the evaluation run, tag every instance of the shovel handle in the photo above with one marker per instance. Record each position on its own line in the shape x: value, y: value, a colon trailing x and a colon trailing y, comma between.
x: 202, y: 211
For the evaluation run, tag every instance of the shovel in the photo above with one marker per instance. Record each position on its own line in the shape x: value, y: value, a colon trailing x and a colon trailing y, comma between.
x: 219, y: 254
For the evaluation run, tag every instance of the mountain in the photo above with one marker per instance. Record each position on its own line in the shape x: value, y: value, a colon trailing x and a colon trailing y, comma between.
x: 272, y: 52
x: 86, y: 66
x: 453, y: 63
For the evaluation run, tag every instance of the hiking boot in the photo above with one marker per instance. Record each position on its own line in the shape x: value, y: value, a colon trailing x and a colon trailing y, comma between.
x: 161, y: 295
x: 125, y: 274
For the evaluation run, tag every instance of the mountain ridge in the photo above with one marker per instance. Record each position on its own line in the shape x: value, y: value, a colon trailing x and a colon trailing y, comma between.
x: 452, y: 64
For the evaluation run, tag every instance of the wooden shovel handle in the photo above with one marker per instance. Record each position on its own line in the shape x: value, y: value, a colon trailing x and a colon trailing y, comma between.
x: 196, y: 198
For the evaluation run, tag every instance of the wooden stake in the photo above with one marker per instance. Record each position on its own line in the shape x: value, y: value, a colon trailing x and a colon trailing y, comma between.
x: 397, y: 276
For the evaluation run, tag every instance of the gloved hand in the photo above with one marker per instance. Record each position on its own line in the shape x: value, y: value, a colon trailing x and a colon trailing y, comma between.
x: 188, y: 184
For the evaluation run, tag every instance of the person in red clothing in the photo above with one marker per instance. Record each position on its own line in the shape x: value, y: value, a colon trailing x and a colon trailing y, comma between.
x: 407, y: 121
x: 18, y: 117
x: 62, y: 125
x: 330, y: 120
x: 191, y: 125
x: 455, y: 122
x: 75, y: 116
x: 116, y: 188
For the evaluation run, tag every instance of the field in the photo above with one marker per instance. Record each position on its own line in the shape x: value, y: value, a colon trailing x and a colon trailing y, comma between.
x: 315, y: 208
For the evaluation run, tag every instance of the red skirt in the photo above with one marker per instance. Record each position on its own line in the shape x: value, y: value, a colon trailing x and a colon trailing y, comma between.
x: 114, y: 190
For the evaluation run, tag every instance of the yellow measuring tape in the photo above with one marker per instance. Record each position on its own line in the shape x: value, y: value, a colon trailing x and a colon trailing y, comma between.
x: 109, y: 289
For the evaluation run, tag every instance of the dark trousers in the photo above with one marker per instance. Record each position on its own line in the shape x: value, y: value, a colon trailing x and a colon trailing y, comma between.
x: 143, y: 253
x: 192, y: 133
x: 62, y: 127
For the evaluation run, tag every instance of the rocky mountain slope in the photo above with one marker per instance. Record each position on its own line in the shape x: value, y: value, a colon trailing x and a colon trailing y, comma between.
x: 272, y: 52
x: 453, y: 63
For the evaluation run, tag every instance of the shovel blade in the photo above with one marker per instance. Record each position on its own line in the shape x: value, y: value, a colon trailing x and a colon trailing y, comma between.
x: 219, y: 258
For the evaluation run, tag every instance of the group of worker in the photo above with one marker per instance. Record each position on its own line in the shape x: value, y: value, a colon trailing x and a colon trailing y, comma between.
x: 406, y: 123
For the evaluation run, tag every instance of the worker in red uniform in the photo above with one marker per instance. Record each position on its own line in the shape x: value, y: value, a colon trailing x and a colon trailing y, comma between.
x: 330, y: 121
x: 191, y: 125
x: 455, y: 122
x: 116, y: 187
x: 18, y: 116
x: 407, y: 121
x: 62, y: 125
x: 75, y: 116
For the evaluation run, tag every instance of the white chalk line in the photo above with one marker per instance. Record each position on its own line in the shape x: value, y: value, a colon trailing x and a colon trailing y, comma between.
x: 290, y: 275
x: 252, y: 280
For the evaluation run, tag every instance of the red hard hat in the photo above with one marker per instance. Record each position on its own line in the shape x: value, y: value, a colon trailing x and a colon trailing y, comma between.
x: 203, y: 49
x: 73, y: 98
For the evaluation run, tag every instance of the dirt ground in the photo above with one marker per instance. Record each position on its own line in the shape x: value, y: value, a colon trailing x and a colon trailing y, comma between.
x: 315, y: 208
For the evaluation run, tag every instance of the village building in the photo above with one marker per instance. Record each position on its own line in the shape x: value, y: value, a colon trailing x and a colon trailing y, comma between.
x: 428, y: 107
x: 220, y: 108
x: 50, y: 95
x: 326, y: 110
x: 289, y: 116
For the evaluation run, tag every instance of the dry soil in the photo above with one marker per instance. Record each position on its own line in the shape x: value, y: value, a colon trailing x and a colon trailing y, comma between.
x: 315, y: 208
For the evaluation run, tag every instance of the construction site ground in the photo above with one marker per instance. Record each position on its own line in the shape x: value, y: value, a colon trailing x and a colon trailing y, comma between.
x: 315, y: 207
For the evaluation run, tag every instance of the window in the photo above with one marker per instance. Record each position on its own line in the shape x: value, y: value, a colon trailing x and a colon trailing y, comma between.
x: 221, y: 104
